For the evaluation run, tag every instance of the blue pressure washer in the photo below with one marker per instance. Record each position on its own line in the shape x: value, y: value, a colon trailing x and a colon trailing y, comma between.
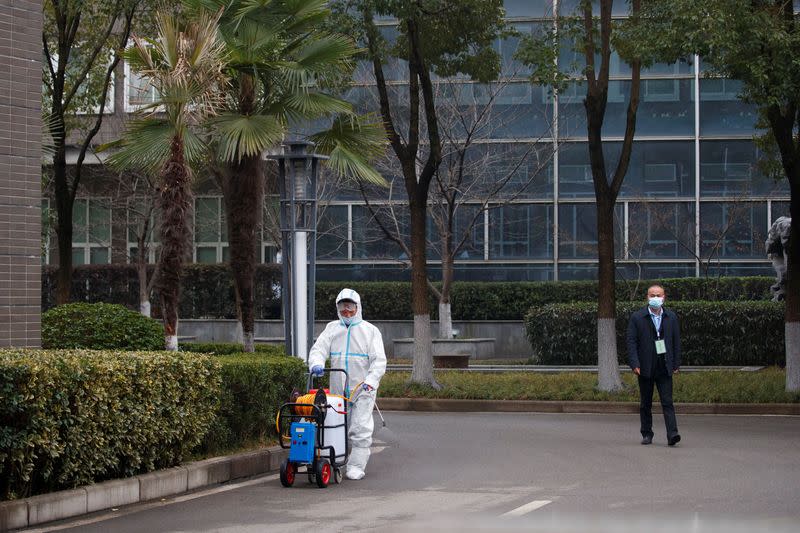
x: 314, y: 429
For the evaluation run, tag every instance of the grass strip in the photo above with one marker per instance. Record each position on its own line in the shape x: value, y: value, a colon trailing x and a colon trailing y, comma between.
x: 726, y: 386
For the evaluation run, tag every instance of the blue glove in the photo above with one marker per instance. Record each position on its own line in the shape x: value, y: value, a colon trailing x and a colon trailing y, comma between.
x: 317, y: 370
x: 366, y: 388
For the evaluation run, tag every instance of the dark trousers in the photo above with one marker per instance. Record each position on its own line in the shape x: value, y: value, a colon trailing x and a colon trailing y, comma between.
x: 663, y: 381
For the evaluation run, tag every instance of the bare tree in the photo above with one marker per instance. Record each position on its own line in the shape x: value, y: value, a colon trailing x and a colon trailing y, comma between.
x: 474, y: 177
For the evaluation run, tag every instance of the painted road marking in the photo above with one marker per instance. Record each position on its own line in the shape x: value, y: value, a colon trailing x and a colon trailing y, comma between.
x: 527, y: 508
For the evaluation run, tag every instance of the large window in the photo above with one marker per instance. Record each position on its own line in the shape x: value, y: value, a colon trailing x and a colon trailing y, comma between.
x: 661, y: 230
x: 577, y: 232
x: 733, y: 230
x: 722, y: 112
x: 665, y: 109
x: 141, y: 219
x: 730, y: 168
x: 332, y: 232
x: 210, y: 228
x: 91, y: 231
x: 521, y: 232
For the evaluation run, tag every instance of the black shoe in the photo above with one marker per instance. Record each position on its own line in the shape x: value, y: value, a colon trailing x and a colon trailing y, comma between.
x: 647, y: 439
x: 674, y: 440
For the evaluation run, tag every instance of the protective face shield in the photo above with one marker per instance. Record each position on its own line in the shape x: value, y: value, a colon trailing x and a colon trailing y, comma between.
x: 347, y: 310
x: 348, y: 307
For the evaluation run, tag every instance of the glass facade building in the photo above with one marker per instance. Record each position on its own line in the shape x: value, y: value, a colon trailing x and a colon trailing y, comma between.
x: 693, y: 202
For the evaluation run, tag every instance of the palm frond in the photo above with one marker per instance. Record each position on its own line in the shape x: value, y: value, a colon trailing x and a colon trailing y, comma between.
x: 352, y: 141
x: 239, y: 135
x: 364, y: 135
x: 145, y: 145
x: 329, y: 50
x: 311, y: 105
x: 350, y: 165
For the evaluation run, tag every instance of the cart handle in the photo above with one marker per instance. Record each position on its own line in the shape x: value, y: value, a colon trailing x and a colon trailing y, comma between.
x: 329, y: 370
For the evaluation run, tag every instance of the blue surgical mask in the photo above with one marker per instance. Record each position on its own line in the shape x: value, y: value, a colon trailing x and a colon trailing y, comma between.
x: 348, y: 320
x: 655, y: 302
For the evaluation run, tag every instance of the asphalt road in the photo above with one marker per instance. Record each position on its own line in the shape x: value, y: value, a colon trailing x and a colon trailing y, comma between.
x: 517, y: 472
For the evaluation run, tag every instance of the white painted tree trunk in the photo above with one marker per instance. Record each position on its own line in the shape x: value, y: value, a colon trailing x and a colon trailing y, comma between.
x: 144, y: 308
x: 171, y: 343
x: 445, y: 321
x: 607, y: 366
x: 792, y: 330
x: 249, y: 342
x: 238, y: 333
x: 422, y: 370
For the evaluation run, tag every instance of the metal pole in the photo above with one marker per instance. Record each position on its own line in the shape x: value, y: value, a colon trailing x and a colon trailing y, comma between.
x: 312, y: 263
x: 286, y: 285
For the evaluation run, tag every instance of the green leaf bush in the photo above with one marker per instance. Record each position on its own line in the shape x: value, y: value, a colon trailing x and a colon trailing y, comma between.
x: 100, y: 327
x: 253, y: 389
x: 74, y: 417
x: 712, y: 333
x: 207, y: 292
x: 230, y: 348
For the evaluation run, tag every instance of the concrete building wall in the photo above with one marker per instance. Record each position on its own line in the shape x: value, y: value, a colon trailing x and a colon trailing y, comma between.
x: 20, y: 172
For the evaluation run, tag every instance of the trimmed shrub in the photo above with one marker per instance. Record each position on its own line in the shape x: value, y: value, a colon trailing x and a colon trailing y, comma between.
x: 207, y: 292
x: 230, y: 348
x: 253, y: 388
x: 712, y: 333
x: 70, y: 418
x: 511, y: 301
x: 100, y: 327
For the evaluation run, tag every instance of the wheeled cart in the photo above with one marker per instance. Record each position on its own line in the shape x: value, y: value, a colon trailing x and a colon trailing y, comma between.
x: 314, y: 429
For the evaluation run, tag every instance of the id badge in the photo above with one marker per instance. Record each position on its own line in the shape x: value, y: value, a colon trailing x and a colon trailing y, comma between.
x: 661, y: 347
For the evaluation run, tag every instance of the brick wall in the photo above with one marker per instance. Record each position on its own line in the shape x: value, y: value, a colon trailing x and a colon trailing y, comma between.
x: 20, y: 172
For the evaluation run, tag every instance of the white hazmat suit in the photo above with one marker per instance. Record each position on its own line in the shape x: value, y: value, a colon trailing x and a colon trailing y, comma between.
x: 358, y: 349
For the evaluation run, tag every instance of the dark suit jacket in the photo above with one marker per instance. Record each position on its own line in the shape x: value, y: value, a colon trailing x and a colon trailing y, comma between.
x: 642, y: 337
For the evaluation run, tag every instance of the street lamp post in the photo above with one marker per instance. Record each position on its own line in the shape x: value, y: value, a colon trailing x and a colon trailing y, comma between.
x: 298, y: 167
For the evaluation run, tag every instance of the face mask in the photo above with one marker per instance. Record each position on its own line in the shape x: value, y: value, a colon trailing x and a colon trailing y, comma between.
x: 347, y: 320
x: 655, y: 302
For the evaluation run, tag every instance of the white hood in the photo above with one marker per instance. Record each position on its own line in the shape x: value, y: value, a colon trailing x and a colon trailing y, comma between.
x: 350, y: 294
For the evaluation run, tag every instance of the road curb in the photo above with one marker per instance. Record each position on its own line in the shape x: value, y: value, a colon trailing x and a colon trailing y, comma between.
x: 541, y: 406
x: 15, y: 514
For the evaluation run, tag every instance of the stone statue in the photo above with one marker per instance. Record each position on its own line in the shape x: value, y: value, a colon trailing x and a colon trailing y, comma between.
x: 777, y: 249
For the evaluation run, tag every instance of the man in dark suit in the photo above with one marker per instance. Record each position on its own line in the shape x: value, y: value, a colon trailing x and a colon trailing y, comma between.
x: 654, y: 354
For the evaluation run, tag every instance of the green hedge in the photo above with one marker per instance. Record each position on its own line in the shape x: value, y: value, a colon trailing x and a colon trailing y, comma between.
x: 70, y: 418
x: 207, y: 292
x: 712, y: 333
x: 100, y: 327
x: 253, y: 388
x: 511, y: 300
x: 230, y: 348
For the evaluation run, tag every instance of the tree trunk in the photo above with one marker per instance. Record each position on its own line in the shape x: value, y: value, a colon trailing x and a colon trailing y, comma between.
x: 141, y: 272
x: 445, y: 314
x: 243, y: 191
x: 64, y: 207
x: 607, y: 364
x: 423, y: 345
x: 176, y: 208
x: 792, y: 327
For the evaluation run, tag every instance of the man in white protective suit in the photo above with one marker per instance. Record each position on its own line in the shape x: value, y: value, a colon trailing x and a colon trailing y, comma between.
x: 355, y: 345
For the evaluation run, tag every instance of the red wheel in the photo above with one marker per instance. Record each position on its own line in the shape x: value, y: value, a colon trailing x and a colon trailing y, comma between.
x: 287, y: 473
x: 323, y: 473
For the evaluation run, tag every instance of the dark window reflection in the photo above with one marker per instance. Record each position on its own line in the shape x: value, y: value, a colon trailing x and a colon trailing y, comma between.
x: 733, y: 230
x: 661, y: 230
x: 332, y: 232
x: 722, y: 112
x: 521, y: 232
x: 730, y: 168
x: 577, y: 233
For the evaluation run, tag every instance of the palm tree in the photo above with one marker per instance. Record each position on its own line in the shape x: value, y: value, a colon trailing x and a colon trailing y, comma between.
x: 284, y: 69
x: 184, y: 64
